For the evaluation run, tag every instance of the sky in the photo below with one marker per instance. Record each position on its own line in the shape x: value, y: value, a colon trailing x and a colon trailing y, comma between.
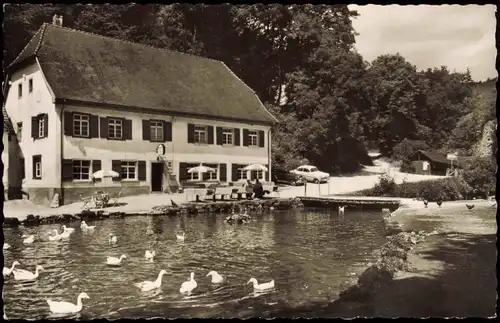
x: 458, y: 37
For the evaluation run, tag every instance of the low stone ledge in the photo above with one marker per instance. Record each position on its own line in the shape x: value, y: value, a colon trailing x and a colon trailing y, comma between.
x: 225, y: 207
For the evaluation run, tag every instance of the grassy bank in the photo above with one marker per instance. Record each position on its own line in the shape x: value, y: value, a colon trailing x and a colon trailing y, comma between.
x: 445, y: 189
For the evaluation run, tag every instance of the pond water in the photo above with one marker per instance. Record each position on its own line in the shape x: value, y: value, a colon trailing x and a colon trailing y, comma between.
x: 311, y: 254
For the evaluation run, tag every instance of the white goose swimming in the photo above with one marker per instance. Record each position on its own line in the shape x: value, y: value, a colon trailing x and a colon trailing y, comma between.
x: 55, y: 237
x: 85, y: 227
x: 21, y: 274
x: 149, y: 255
x: 7, y: 271
x: 216, y: 278
x: 67, y: 307
x: 181, y: 236
x: 6, y: 246
x: 147, y: 286
x: 70, y: 230
x: 113, y: 261
x: 28, y: 239
x: 65, y: 234
x: 188, y: 286
x: 112, y: 239
x: 257, y: 286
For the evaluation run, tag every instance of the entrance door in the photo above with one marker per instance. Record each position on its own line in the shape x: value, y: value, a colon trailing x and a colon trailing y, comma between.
x: 156, y: 177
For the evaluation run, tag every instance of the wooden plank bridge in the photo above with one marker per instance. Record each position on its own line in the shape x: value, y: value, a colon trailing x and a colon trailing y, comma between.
x: 353, y: 202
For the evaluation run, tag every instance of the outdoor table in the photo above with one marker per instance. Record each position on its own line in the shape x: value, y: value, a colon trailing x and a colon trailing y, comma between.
x: 101, y: 199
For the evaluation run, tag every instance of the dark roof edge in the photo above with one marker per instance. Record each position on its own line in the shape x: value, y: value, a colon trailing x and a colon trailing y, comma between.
x: 249, y: 88
x: 155, y: 111
x: 15, y: 62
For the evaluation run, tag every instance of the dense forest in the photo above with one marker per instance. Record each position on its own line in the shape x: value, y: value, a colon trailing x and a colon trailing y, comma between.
x: 300, y: 60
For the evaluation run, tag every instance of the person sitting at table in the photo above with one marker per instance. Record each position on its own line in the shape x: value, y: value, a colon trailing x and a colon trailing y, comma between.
x: 258, y: 190
x: 248, y: 189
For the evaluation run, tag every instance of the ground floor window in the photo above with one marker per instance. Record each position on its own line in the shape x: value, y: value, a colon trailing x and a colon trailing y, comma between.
x: 242, y: 174
x: 258, y: 174
x: 37, y: 167
x: 129, y: 170
x: 192, y: 176
x: 81, y: 170
x: 213, y: 175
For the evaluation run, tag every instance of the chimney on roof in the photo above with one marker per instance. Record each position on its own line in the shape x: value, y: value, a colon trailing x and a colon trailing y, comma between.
x: 57, y: 20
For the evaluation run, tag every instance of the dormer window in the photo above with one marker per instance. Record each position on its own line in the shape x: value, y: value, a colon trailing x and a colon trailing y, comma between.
x: 20, y: 90
x: 30, y: 86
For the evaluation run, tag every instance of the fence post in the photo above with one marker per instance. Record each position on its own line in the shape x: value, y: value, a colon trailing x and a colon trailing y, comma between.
x: 319, y: 188
x: 305, y: 188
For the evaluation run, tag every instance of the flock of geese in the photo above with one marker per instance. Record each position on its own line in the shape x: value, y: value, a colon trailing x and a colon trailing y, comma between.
x: 69, y: 308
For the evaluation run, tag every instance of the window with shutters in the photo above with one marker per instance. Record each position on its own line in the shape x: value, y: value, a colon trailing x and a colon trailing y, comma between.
x: 212, y: 175
x: 19, y: 130
x: 81, y: 170
x: 156, y: 130
x: 37, y: 167
x: 257, y: 174
x: 20, y: 90
x: 41, y: 126
x: 242, y: 174
x: 129, y: 170
x: 200, y: 134
x: 253, y: 138
x: 30, y: 86
x: 115, y: 128
x: 228, y: 136
x: 192, y: 176
x: 81, y: 125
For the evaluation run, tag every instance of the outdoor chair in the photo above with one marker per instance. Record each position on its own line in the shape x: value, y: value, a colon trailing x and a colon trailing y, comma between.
x: 86, y: 201
x: 210, y: 194
x: 115, y: 200
x: 235, y: 191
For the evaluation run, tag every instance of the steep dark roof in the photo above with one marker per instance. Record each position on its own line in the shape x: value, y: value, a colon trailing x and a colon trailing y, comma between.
x: 435, y: 156
x: 29, y: 51
x: 7, y: 123
x: 91, y: 68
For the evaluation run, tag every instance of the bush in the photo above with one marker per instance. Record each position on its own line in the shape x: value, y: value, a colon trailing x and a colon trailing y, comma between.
x: 480, y: 179
x: 447, y: 189
x: 385, y: 186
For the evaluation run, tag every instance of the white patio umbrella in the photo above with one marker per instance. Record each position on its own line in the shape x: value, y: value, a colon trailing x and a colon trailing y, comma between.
x: 201, y: 169
x: 256, y: 167
x: 100, y: 174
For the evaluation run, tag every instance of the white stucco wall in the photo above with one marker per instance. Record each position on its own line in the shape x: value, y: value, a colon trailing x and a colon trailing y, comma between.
x: 177, y: 151
x: 21, y: 110
x: 5, y: 160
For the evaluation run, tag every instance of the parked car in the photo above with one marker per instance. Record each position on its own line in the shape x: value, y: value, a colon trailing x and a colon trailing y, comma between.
x: 282, y: 176
x: 311, y: 174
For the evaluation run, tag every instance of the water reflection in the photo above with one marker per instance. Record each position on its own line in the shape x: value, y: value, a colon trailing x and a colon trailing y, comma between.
x: 307, y: 252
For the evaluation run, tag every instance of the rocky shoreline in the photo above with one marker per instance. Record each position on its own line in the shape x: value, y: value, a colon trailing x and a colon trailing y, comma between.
x: 400, y: 258
x: 392, y: 259
x: 187, y: 208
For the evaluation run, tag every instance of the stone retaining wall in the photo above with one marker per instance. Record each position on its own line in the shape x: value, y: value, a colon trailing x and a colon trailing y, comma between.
x: 187, y: 208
